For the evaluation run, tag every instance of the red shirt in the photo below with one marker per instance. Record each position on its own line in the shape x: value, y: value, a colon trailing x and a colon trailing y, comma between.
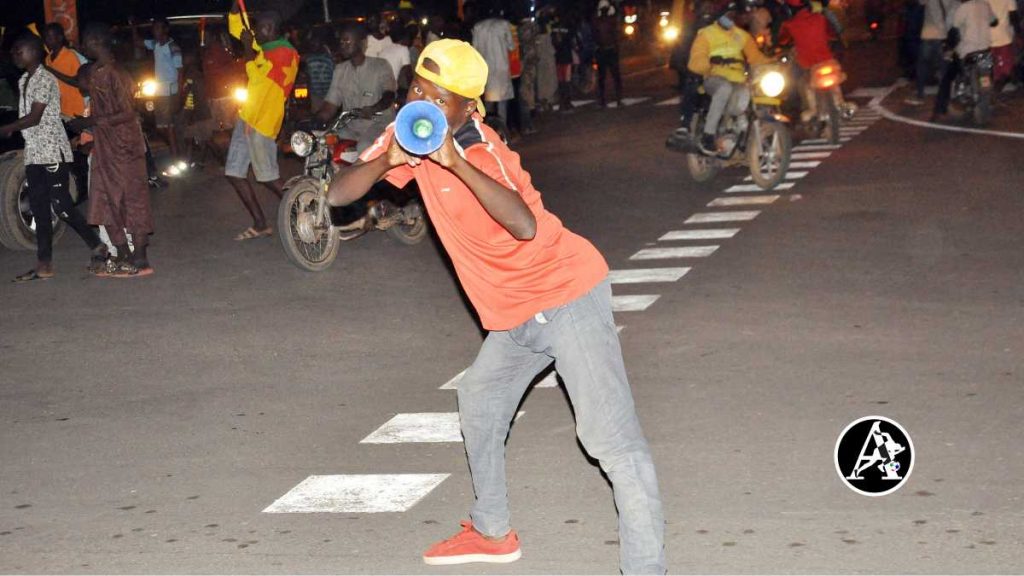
x: 809, y: 33
x: 508, y: 280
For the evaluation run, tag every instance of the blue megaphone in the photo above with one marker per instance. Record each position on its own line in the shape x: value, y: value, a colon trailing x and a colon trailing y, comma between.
x: 420, y: 127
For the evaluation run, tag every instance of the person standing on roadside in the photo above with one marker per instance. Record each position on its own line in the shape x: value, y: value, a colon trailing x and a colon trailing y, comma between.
x: 937, y: 16
x: 271, y: 64
x: 47, y: 154
x: 1003, y: 50
x: 167, y: 65
x: 319, y: 63
x: 606, y: 33
x: 492, y: 38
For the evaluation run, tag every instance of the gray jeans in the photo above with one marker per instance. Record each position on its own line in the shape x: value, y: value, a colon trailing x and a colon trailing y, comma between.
x: 726, y: 96
x: 580, y: 337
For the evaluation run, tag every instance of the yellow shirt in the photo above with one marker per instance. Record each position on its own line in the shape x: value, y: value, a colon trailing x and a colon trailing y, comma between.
x: 271, y: 77
x: 734, y: 43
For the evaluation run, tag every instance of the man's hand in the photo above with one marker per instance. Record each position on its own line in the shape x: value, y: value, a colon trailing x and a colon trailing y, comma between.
x: 366, y: 112
x: 78, y: 124
x: 234, y: 7
x: 246, y: 38
x: 396, y: 156
x: 447, y: 156
x: 6, y: 131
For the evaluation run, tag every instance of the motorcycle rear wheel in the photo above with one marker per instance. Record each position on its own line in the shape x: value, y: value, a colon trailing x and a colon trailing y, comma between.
x: 310, y: 247
x: 410, y: 233
x: 769, y: 159
x: 983, y: 108
x: 834, y: 118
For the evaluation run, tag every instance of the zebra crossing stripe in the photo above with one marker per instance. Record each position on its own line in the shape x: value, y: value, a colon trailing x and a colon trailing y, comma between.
x: 842, y: 140
x: 356, y: 493
x: 646, y: 275
x: 755, y: 188
x: 817, y: 147
x: 809, y: 164
x: 634, y: 303
x: 419, y: 427
x: 674, y: 252
x: 791, y: 175
x: 709, y: 234
x: 809, y: 155
x: 743, y: 200
x: 709, y: 217
x: 670, y: 102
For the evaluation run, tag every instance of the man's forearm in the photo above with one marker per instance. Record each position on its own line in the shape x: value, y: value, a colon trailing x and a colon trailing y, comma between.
x: 352, y: 183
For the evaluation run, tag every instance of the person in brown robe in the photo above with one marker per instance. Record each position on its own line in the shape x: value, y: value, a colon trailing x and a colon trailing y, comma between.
x: 119, y: 194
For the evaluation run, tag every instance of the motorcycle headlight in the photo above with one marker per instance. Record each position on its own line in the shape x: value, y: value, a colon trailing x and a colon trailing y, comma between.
x: 302, y: 143
x: 240, y: 94
x: 149, y: 88
x: 772, y: 84
x: 670, y: 33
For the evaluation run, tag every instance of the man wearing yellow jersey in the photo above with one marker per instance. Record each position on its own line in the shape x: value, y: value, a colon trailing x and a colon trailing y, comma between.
x: 718, y: 55
x: 271, y: 64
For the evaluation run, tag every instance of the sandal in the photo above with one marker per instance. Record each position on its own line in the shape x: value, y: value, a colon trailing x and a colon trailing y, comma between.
x: 32, y: 275
x: 251, y: 233
x: 98, y: 262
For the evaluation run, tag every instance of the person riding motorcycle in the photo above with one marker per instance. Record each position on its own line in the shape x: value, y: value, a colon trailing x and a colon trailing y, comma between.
x: 718, y: 55
x: 810, y: 34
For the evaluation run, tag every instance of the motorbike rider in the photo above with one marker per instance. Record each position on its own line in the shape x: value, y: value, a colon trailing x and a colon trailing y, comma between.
x: 363, y: 84
x: 970, y: 32
x: 809, y: 33
x: 718, y: 55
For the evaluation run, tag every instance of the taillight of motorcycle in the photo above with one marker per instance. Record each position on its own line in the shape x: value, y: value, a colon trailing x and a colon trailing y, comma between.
x: 827, y: 76
x: 344, y: 151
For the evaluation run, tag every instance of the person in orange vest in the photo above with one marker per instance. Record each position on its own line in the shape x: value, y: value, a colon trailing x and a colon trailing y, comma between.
x: 63, y: 62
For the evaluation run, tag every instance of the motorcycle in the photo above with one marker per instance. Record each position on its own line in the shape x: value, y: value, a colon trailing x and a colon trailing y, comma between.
x: 757, y: 138
x: 308, y: 234
x: 972, y: 88
x: 830, y: 109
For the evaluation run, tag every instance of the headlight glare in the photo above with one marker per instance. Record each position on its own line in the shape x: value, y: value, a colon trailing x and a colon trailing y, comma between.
x: 772, y: 84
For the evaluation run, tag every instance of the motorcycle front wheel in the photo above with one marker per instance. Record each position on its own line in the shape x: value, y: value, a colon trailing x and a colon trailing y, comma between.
x: 832, y: 123
x: 309, y: 242
x: 983, y: 107
x: 768, y: 154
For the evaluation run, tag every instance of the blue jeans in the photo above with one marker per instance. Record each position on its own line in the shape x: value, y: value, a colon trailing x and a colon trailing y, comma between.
x: 580, y: 337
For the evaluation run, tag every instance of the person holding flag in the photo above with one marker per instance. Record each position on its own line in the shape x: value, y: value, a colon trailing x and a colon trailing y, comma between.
x: 271, y: 64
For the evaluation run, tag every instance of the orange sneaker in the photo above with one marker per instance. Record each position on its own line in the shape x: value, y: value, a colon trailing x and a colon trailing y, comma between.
x: 470, y: 546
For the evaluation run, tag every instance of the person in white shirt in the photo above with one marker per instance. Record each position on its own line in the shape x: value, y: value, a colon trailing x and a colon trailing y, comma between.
x: 492, y: 38
x: 934, y: 29
x: 1003, y: 52
x: 973, y: 21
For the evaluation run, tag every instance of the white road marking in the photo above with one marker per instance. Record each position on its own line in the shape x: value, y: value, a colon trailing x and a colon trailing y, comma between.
x: 710, y: 234
x: 635, y: 303
x: 646, y: 275
x: 677, y: 252
x: 842, y: 139
x: 755, y: 188
x: 628, y: 102
x: 791, y: 175
x: 817, y: 147
x: 419, y: 427
x: 809, y: 155
x: 453, y: 383
x: 549, y: 381
x: 809, y: 164
x: 889, y: 115
x: 743, y: 200
x: 710, y: 217
x: 867, y: 92
x: 670, y: 102
x: 357, y: 493
x: 853, y: 130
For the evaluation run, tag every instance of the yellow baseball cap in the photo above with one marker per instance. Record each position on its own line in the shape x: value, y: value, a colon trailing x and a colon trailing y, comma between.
x: 463, y: 70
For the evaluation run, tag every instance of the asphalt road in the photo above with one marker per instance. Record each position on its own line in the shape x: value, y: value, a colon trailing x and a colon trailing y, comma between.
x: 146, y: 424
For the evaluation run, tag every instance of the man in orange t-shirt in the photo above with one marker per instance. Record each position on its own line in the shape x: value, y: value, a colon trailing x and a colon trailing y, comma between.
x: 542, y: 293
x: 63, y: 61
